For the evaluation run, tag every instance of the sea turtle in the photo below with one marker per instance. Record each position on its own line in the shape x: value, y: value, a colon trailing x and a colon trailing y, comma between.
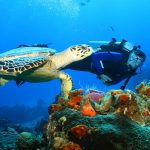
x: 40, y: 64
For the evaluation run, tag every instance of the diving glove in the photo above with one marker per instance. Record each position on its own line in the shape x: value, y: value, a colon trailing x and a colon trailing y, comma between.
x: 106, y: 79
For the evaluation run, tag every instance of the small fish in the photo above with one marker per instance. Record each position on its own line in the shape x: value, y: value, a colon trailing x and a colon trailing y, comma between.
x: 112, y: 28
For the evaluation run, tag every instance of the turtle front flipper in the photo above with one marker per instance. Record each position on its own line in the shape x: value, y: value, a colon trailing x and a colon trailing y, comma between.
x: 66, y: 83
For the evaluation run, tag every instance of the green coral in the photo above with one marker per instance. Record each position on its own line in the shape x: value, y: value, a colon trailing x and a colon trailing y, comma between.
x: 28, y: 141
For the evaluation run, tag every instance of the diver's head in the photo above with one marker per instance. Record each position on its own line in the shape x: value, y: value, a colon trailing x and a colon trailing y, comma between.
x: 136, y: 59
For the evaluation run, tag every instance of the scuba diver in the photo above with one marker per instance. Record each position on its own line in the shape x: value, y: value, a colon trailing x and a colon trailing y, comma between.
x: 112, y: 62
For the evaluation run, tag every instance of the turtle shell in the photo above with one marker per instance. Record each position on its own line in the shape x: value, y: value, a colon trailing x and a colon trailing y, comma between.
x: 24, y: 58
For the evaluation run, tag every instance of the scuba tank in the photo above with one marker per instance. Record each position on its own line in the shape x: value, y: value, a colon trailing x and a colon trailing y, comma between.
x: 112, y: 46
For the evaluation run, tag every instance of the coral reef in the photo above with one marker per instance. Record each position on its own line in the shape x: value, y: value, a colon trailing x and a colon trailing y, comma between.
x: 94, y: 120
x: 119, y: 120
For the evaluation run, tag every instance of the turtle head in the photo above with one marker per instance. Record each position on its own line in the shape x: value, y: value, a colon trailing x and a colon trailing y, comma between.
x: 81, y: 51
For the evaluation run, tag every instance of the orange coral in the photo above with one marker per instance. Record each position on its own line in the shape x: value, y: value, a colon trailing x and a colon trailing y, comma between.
x: 124, y: 97
x: 79, y: 131
x: 87, y: 109
x: 71, y: 146
x: 75, y: 100
x: 115, y: 92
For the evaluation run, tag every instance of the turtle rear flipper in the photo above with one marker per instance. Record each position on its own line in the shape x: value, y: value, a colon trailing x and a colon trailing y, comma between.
x: 3, y: 81
x: 19, y: 81
x: 66, y: 83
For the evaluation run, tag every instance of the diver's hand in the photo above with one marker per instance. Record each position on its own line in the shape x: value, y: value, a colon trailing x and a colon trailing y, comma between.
x: 105, y: 78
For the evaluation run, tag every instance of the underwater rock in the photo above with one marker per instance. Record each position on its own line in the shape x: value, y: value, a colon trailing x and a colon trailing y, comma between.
x: 120, y: 120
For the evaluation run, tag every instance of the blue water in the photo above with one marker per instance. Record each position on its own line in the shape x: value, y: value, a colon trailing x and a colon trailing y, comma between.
x: 63, y: 23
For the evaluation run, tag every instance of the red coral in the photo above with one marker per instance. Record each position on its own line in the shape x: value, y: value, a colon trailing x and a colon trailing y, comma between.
x: 70, y: 146
x: 148, y: 91
x: 79, y: 131
x: 124, y: 97
x: 146, y: 112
